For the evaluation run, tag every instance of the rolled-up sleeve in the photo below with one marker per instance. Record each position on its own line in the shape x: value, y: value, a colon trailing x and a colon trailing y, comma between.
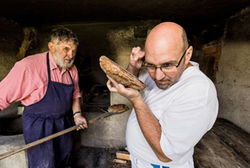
x: 17, y: 85
x: 76, y: 93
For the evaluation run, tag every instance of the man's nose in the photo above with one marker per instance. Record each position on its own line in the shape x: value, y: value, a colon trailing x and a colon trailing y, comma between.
x: 159, y: 74
x: 70, y: 54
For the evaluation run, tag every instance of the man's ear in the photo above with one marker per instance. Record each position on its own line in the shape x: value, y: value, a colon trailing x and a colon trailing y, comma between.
x: 189, y: 54
x: 51, y: 47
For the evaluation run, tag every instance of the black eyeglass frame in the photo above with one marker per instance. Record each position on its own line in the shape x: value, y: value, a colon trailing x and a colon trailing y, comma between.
x: 182, y: 57
x: 155, y: 67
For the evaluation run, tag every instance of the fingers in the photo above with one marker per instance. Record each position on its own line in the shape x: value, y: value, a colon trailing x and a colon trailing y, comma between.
x: 136, y: 57
x: 134, y: 53
x: 85, y: 124
x: 135, y: 50
x: 111, y: 86
x: 81, y: 122
x: 112, y: 82
x: 82, y: 125
x: 137, y: 53
x: 114, y: 86
x: 129, y: 93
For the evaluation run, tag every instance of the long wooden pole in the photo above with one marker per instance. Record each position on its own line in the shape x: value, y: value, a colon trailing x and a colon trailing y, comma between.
x: 37, y: 142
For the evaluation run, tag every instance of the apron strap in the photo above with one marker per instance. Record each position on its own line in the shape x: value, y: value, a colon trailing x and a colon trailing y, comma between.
x: 48, y: 67
x: 71, y: 78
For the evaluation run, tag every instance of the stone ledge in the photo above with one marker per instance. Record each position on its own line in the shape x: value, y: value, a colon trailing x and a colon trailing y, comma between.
x: 10, y: 143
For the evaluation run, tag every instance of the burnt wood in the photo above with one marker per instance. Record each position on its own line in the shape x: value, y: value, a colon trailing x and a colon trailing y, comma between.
x: 224, y: 146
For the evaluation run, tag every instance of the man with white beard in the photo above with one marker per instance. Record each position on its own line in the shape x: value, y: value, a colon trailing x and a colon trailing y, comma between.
x: 47, y: 86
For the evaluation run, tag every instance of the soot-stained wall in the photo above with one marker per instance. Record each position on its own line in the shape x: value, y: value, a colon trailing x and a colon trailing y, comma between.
x: 233, y: 76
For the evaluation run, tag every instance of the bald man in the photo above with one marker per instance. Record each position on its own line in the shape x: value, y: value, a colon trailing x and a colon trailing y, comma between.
x: 176, y: 109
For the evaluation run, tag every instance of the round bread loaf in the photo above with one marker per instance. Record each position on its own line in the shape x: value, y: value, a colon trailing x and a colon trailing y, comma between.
x: 119, y: 74
x: 118, y: 108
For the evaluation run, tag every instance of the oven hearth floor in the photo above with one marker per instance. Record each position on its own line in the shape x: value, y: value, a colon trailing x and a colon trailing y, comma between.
x: 91, y: 157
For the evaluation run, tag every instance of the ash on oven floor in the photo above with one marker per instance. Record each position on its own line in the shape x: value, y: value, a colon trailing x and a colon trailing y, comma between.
x: 90, y: 157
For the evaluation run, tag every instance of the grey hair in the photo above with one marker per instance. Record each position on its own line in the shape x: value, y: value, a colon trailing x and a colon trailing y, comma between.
x: 61, y: 34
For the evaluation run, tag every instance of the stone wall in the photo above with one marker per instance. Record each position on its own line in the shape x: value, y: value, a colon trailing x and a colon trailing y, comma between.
x: 233, y: 76
x: 11, y: 35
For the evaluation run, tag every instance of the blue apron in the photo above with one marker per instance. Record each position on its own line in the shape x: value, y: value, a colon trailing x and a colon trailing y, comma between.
x: 50, y: 115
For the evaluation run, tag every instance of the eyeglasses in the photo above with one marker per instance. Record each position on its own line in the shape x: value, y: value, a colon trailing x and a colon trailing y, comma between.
x: 167, y: 67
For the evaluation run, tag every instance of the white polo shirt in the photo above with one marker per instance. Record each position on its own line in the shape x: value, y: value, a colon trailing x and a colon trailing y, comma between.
x: 186, y: 111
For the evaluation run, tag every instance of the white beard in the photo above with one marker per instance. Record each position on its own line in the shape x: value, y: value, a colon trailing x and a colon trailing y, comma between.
x: 60, y: 62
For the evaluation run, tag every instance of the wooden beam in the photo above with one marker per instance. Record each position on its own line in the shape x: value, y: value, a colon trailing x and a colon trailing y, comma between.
x: 122, y: 155
x: 120, y: 161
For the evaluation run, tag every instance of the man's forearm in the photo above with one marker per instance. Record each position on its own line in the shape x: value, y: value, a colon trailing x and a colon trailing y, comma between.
x: 150, y: 127
x: 76, y: 106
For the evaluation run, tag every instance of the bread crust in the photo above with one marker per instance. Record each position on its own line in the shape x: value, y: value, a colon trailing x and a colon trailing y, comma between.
x: 118, y: 108
x: 119, y: 74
